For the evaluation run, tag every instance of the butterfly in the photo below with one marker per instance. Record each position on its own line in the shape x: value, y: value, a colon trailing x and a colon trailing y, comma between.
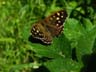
x: 49, y: 27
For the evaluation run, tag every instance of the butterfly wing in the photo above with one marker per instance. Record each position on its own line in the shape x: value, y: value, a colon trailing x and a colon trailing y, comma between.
x: 50, y: 26
x: 39, y: 32
x: 54, y: 23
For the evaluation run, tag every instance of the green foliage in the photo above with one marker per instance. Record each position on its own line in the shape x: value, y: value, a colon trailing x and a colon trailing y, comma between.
x: 67, y: 53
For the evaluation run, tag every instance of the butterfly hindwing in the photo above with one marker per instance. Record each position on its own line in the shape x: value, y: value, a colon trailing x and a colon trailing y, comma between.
x: 39, y: 32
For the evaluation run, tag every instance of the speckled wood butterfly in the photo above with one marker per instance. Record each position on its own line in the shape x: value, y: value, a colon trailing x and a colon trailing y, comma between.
x: 49, y: 27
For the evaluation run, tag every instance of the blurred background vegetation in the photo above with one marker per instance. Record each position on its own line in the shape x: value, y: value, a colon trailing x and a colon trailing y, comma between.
x: 72, y: 51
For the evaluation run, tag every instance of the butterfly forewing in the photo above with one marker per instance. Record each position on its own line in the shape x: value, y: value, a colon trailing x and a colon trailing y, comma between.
x: 54, y: 23
x: 49, y: 27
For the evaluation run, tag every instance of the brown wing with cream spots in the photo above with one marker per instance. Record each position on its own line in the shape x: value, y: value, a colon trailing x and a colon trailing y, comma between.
x: 54, y: 23
x: 50, y: 26
x: 39, y: 32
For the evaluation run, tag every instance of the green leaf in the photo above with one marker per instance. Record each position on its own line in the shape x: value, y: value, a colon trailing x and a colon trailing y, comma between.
x: 26, y: 32
x: 73, y: 4
x: 59, y: 48
x: 85, y: 44
x: 19, y: 67
x: 87, y: 23
x: 73, y: 29
x: 63, y: 65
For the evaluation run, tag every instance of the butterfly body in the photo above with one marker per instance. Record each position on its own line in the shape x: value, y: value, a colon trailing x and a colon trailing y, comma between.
x: 50, y: 27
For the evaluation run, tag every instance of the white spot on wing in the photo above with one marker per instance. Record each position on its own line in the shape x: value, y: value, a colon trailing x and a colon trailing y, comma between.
x: 57, y: 18
x: 59, y: 21
x: 62, y: 16
x: 58, y: 14
x: 57, y: 24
